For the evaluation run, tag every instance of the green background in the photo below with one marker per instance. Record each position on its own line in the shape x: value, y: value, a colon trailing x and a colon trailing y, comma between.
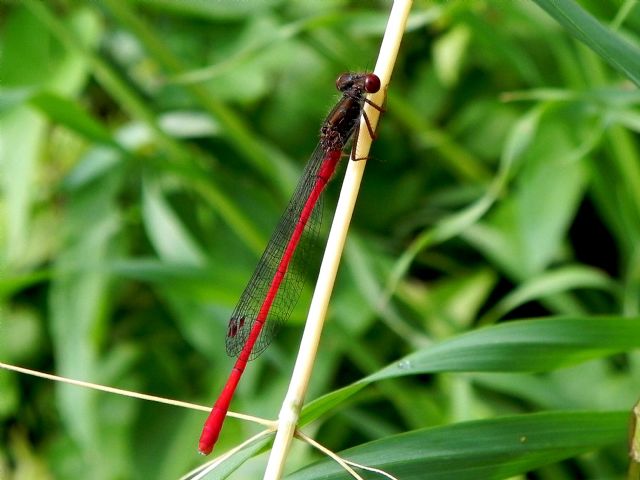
x: 485, y: 320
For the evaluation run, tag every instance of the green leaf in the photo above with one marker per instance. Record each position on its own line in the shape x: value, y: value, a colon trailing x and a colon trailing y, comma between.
x: 170, y: 237
x: 67, y: 112
x: 78, y: 308
x: 449, y: 53
x: 10, y: 398
x: 516, y: 346
x: 616, y: 51
x: 524, y: 233
x: 21, y: 334
x: 33, y: 61
x: 487, y: 449
x: 21, y: 139
x: 220, y: 9
x: 11, y: 98
x: 560, y: 280
x: 522, y: 346
x: 97, y: 162
x: 231, y: 464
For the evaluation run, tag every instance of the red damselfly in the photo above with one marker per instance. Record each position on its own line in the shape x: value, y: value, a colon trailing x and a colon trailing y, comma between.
x: 275, y: 286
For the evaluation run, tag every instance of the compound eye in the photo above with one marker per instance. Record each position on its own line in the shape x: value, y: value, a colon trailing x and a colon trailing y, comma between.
x: 344, y: 81
x: 372, y: 83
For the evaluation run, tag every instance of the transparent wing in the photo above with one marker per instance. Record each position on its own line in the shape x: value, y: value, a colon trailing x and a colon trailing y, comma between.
x: 276, y: 284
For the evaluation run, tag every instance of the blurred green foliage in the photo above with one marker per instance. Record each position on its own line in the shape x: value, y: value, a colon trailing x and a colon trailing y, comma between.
x: 147, y: 149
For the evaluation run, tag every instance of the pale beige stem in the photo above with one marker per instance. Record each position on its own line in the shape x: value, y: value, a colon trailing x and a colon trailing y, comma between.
x: 343, y: 462
x: 339, y: 460
x: 294, y: 398
x: 200, y: 472
x: 129, y: 393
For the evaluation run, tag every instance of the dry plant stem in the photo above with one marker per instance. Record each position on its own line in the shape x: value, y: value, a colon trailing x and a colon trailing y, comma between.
x: 200, y: 472
x: 371, y: 469
x: 633, y: 472
x: 129, y: 393
x: 290, y: 411
x: 339, y: 460
x: 346, y: 464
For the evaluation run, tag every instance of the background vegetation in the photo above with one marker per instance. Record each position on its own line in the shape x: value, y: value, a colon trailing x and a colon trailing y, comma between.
x: 147, y: 149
